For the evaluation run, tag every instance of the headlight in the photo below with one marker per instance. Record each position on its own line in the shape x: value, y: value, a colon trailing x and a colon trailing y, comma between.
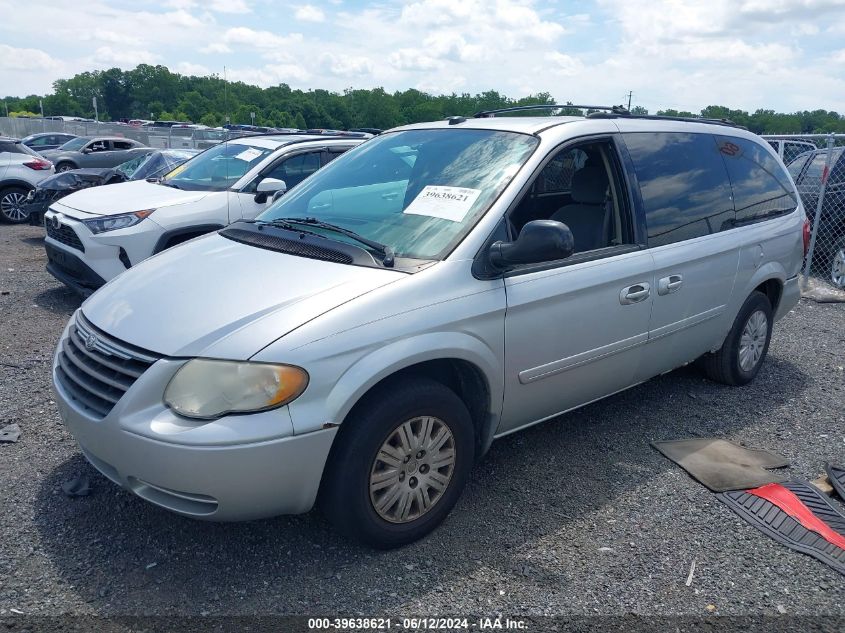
x: 114, y: 222
x: 208, y: 389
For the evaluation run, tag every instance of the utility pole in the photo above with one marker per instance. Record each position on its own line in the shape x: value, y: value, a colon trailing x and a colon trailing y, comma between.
x: 630, y: 94
x: 226, y: 95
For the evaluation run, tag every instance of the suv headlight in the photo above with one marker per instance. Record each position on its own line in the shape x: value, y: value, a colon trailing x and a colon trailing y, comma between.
x: 208, y: 389
x: 114, y: 222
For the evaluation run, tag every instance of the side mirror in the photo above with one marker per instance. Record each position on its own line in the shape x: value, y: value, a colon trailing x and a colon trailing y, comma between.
x: 278, y: 195
x: 538, y: 241
x: 271, y: 185
x: 87, y: 150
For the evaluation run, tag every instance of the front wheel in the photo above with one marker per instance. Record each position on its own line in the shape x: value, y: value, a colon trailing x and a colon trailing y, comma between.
x: 399, y: 465
x: 64, y: 167
x: 745, y: 347
x: 837, y: 267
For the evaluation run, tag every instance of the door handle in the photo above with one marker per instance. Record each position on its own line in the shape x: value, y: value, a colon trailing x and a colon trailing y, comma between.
x: 390, y: 196
x: 670, y: 284
x: 634, y: 294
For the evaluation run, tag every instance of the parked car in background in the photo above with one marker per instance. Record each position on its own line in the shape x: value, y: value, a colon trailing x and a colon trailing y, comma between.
x: 364, y: 341
x: 788, y: 149
x: 21, y: 169
x: 47, y: 140
x: 152, y: 165
x: 807, y: 170
x: 94, y: 151
x: 95, y: 234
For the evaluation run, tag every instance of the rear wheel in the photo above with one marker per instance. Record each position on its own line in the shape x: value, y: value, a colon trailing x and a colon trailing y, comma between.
x: 400, y: 463
x: 745, y: 347
x: 837, y: 267
x: 13, y: 205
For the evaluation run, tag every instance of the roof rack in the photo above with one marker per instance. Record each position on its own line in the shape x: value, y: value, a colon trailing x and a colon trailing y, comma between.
x: 618, y: 110
x: 607, y: 112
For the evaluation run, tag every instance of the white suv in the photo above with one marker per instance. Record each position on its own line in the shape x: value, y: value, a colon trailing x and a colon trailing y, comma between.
x: 95, y: 234
x: 20, y: 170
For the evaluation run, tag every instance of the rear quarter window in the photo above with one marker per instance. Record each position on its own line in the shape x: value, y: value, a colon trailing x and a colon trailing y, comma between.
x: 760, y: 183
x: 684, y: 185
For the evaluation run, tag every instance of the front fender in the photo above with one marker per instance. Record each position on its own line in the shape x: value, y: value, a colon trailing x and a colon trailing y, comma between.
x: 331, y: 403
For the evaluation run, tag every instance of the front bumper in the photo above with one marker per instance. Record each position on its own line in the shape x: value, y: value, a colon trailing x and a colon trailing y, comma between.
x: 68, y: 268
x: 199, y: 469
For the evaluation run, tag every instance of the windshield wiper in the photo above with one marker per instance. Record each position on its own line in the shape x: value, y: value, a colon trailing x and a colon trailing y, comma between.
x: 167, y: 183
x: 386, y: 251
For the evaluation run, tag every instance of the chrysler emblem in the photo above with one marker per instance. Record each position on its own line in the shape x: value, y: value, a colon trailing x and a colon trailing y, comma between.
x: 91, y: 342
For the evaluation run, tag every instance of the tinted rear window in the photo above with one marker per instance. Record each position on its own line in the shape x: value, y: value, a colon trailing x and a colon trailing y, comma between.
x: 684, y: 185
x: 760, y: 184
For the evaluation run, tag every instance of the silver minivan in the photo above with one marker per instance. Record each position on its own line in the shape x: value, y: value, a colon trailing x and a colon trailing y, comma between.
x: 362, y: 342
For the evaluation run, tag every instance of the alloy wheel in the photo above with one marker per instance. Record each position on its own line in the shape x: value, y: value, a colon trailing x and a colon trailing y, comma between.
x: 412, y: 469
x: 753, y: 340
x: 12, y: 206
x: 837, y: 269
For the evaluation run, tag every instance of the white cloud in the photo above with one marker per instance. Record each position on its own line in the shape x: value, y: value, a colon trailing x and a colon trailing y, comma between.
x: 230, y: 6
x: 309, y: 13
x: 12, y: 58
x: 216, y: 47
x: 189, y: 68
x: 345, y: 65
x: 270, y: 75
x: 249, y: 38
x: 563, y: 64
x: 123, y: 57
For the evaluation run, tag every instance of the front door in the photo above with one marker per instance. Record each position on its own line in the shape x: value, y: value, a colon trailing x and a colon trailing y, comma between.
x: 575, y: 329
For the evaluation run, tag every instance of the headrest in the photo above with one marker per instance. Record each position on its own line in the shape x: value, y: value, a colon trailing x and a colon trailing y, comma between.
x: 589, y: 184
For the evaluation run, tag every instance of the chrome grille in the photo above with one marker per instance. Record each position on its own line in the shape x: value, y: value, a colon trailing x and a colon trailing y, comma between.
x: 95, y: 369
x: 64, y: 234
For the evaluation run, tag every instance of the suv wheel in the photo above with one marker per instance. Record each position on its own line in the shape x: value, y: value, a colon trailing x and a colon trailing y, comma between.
x: 13, y: 205
x: 837, y: 268
x: 399, y: 464
x: 64, y: 167
x: 745, y: 347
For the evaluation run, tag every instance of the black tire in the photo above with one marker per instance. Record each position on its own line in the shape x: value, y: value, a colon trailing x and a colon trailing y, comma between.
x: 65, y: 166
x: 11, y: 210
x: 345, y: 496
x: 724, y: 366
x: 837, y: 266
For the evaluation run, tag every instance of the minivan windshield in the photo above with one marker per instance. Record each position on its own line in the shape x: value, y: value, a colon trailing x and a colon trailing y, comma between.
x: 418, y: 192
x: 216, y: 169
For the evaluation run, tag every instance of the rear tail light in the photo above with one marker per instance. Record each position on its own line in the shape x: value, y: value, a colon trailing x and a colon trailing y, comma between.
x: 805, y: 232
x: 39, y: 164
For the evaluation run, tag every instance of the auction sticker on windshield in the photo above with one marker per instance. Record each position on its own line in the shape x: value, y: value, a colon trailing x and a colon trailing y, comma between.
x: 446, y: 203
x: 249, y: 155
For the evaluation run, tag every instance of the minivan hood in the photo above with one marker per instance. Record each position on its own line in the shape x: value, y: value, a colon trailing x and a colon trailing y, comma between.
x: 126, y: 197
x: 217, y: 298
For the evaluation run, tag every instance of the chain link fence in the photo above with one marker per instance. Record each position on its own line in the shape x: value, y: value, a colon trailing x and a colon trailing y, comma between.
x: 817, y: 164
x: 160, y: 137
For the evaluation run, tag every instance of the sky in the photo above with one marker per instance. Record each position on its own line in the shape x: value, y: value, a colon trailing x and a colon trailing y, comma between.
x: 784, y: 55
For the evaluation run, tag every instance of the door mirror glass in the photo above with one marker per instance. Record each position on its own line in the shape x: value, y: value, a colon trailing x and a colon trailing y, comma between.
x: 279, y: 194
x: 538, y: 241
x: 271, y: 185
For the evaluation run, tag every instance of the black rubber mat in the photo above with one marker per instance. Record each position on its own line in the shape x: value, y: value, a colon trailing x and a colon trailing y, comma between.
x: 722, y: 465
x: 836, y: 474
x: 779, y: 525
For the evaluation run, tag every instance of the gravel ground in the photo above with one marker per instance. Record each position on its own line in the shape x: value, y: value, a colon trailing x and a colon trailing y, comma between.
x: 578, y: 516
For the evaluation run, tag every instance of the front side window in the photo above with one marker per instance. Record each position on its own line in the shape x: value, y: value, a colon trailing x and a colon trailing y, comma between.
x: 761, y: 187
x: 418, y: 191
x: 99, y: 146
x: 684, y: 185
x: 216, y: 169
x: 296, y: 168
